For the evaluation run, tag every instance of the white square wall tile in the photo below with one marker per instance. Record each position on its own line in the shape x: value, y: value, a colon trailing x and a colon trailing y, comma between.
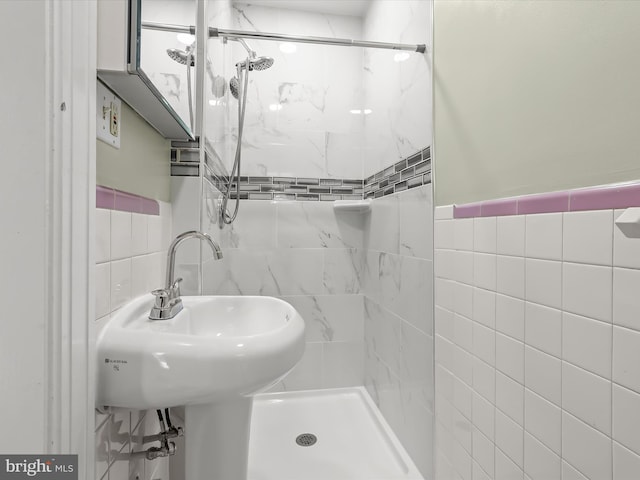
x: 443, y: 234
x: 570, y: 473
x: 626, y: 250
x: 484, y: 343
x: 443, y: 323
x: 511, y: 238
x: 120, y: 283
x: 543, y: 328
x: 444, y: 293
x: 510, y: 438
x: 510, y: 398
x: 103, y: 235
x: 463, y: 267
x: 540, y: 463
x: 587, y: 290
x: 626, y: 418
x: 484, y: 307
x: 463, y: 365
x: 463, y: 299
x: 626, y: 358
x: 154, y: 233
x: 483, y: 415
x: 484, y: 452
x: 544, y: 236
x: 588, y: 450
x: 510, y: 276
x: 506, y: 469
x: 543, y: 374
x: 102, y: 289
x: 484, y: 270
x: 120, y: 235
x: 485, y: 234
x: 443, y: 212
x: 478, y: 473
x: 444, y: 264
x: 463, y: 332
x: 543, y: 420
x: 139, y: 234
x: 543, y: 280
x: 510, y: 316
x: 626, y: 298
x: 588, y: 237
x: 463, y: 234
x: 587, y: 344
x: 587, y: 396
x: 484, y: 379
x: 626, y: 464
x: 510, y: 357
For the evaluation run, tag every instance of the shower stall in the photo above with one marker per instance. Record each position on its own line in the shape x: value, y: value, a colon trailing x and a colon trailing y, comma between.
x: 313, y: 174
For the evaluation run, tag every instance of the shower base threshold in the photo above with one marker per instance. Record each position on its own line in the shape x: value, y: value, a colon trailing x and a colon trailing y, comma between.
x: 340, y: 435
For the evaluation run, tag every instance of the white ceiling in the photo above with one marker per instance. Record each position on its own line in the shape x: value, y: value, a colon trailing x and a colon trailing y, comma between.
x: 356, y: 8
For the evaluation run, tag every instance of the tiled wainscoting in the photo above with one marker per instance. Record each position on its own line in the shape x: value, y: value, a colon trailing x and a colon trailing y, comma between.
x: 537, y: 342
x: 130, y: 260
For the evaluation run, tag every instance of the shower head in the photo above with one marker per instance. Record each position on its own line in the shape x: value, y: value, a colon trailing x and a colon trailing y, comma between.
x: 181, y: 57
x: 260, y: 63
x: 256, y: 63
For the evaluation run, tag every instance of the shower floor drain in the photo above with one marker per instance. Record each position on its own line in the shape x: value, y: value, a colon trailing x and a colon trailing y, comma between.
x: 306, y: 439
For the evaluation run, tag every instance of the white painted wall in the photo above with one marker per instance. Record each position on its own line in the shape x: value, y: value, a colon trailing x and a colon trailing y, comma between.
x: 534, y: 96
x: 23, y: 213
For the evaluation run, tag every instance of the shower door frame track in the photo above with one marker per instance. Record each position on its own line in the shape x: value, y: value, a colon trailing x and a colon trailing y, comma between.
x: 279, y: 37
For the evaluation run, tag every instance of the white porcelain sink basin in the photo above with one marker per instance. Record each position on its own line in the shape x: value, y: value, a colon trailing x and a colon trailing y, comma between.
x: 216, y: 348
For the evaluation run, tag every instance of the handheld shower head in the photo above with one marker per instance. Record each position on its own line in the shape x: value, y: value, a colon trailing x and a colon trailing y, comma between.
x: 234, y: 87
x: 181, y: 57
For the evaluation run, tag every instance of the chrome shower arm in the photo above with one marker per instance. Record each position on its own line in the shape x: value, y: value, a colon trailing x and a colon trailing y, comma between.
x: 252, y: 53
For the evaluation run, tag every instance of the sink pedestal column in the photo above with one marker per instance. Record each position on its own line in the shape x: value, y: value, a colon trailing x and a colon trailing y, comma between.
x: 217, y: 439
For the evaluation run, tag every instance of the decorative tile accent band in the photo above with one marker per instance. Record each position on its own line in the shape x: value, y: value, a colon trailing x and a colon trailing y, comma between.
x: 409, y: 172
x: 293, y: 188
x: 593, y: 198
x: 112, y: 199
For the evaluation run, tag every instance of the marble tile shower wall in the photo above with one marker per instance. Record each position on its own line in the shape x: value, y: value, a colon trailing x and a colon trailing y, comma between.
x: 310, y: 256
x: 397, y: 284
x: 398, y: 93
x: 297, y: 120
x: 130, y: 260
x: 537, y: 347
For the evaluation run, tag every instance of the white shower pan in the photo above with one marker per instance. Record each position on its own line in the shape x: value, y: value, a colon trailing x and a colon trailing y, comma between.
x: 353, y: 440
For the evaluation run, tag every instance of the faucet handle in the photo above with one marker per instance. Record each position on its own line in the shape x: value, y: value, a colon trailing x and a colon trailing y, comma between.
x: 162, y: 297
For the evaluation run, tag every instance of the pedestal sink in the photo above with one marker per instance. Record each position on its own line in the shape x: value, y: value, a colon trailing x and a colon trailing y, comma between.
x: 212, y: 357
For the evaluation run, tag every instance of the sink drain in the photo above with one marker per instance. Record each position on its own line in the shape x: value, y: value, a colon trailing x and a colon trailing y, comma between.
x: 306, y: 439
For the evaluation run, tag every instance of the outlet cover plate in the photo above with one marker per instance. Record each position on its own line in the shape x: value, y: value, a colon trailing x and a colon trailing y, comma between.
x: 108, y: 116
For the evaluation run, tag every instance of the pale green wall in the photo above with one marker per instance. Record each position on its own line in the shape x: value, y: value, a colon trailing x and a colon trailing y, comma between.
x: 141, y: 165
x: 534, y: 96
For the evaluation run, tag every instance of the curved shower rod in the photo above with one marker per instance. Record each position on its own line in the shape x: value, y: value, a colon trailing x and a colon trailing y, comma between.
x: 238, y: 34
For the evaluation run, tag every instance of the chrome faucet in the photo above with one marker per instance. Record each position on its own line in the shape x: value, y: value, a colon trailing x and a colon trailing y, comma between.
x: 168, y: 302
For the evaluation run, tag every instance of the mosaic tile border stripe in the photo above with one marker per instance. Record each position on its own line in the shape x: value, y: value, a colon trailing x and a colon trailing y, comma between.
x: 602, y: 197
x: 112, y: 199
x: 410, y: 172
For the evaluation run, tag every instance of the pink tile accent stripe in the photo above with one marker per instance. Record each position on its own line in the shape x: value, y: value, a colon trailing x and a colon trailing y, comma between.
x: 112, y: 199
x: 594, y: 198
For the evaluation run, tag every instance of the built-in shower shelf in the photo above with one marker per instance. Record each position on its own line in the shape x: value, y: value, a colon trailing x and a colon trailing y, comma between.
x: 360, y: 206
